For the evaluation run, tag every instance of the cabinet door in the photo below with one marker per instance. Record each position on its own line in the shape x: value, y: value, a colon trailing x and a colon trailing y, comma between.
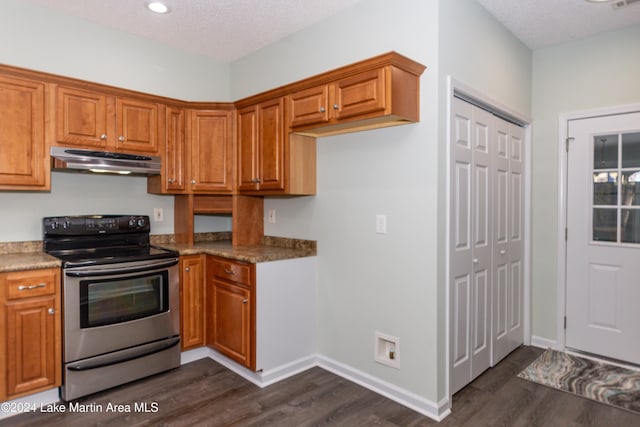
x: 309, y: 106
x: 175, y: 150
x: 361, y: 94
x: 31, y: 344
x: 24, y: 162
x: 247, y: 148
x: 230, y: 328
x: 271, y: 145
x: 211, y: 151
x: 192, y: 301
x: 82, y: 118
x: 136, y: 126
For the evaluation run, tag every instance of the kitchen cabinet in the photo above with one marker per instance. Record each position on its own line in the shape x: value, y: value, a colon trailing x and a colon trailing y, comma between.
x: 192, y: 273
x: 94, y: 120
x: 210, y: 150
x: 230, y: 309
x: 25, y: 161
x: 30, y: 325
x: 270, y: 161
x: 172, y: 178
x: 369, y: 99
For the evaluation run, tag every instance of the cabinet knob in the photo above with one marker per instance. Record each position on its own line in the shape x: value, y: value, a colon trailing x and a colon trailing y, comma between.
x: 322, y: 109
x: 256, y: 180
x: 336, y: 106
x: 51, y: 311
x: 121, y: 138
x: 229, y: 271
x: 244, y: 301
x: 103, y: 136
x: 187, y: 269
x: 170, y: 180
x: 193, y: 181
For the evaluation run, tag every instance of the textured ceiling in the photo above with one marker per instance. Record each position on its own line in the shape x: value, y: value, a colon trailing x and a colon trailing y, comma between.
x: 542, y: 23
x: 221, y: 29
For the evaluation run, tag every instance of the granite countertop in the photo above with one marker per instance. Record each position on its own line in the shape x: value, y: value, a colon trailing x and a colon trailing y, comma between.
x: 272, y: 250
x: 16, y: 256
x: 27, y: 261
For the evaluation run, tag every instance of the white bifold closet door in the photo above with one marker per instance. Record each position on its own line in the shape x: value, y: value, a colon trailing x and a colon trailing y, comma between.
x: 485, y: 241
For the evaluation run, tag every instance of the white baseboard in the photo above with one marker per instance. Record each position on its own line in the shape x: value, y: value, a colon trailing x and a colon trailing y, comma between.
x: 544, y: 343
x: 193, y: 355
x: 436, y: 411
x: 30, y: 403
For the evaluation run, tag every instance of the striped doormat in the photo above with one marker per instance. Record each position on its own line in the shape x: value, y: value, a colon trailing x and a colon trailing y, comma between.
x: 610, y: 384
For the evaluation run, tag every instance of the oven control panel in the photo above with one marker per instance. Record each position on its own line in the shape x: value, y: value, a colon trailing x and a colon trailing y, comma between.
x: 88, y: 225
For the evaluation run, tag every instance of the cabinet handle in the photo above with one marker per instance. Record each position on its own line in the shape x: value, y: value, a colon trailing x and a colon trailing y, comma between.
x: 103, y: 136
x: 121, y: 138
x: 244, y: 301
x: 51, y: 311
x: 336, y: 106
x: 256, y: 181
x: 229, y: 271
x: 322, y: 109
x: 187, y: 269
x: 29, y: 287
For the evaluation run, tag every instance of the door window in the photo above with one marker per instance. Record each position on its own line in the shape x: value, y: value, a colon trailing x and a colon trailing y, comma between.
x: 616, y: 194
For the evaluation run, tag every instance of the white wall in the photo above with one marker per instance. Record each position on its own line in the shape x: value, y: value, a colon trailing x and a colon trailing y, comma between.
x: 41, y: 39
x: 597, y: 72
x: 367, y: 282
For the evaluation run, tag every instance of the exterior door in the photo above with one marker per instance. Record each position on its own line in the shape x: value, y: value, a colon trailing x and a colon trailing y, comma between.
x: 603, y: 236
x: 470, y: 242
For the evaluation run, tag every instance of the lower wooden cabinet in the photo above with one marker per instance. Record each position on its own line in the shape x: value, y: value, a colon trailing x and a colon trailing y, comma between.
x: 30, y: 325
x: 192, y: 269
x: 230, y: 309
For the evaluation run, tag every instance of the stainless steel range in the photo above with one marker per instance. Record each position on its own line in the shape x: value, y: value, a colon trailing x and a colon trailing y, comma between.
x: 120, y: 300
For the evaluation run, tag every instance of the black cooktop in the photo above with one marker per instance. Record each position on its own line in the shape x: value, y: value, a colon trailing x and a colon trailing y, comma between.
x: 100, y: 239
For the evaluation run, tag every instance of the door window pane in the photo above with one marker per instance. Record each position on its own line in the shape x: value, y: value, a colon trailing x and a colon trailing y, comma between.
x: 630, y: 226
x: 605, y: 152
x: 630, y: 188
x: 605, y: 225
x: 605, y: 188
x: 631, y: 150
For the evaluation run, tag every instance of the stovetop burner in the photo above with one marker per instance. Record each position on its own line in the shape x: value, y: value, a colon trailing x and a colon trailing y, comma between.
x: 100, y: 239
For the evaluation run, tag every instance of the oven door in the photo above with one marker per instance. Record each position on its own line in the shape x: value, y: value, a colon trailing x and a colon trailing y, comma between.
x: 116, y: 306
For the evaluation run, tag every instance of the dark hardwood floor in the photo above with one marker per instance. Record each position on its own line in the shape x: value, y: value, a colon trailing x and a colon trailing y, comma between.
x: 204, y: 393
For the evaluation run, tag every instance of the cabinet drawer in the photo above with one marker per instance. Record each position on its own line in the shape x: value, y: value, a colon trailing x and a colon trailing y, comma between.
x: 229, y: 270
x: 31, y: 283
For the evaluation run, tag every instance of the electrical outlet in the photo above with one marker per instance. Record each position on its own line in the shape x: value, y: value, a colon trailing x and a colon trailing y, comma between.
x: 158, y: 215
x: 271, y: 216
x: 381, y: 224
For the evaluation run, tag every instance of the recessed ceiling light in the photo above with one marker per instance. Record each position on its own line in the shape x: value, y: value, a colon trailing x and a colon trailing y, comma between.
x: 599, y: 1
x: 158, y: 7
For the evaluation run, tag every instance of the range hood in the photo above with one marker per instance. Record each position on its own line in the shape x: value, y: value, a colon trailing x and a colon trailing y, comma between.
x: 77, y: 160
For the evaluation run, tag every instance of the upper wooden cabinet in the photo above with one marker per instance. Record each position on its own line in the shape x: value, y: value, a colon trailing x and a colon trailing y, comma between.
x: 210, y: 150
x: 91, y: 119
x: 270, y: 161
x: 24, y: 164
x: 385, y: 96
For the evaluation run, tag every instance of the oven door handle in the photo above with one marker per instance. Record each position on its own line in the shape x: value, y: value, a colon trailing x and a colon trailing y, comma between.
x: 124, y: 355
x: 121, y: 270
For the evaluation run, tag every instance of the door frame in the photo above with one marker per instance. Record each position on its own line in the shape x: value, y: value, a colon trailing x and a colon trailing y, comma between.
x: 563, y: 158
x: 456, y: 87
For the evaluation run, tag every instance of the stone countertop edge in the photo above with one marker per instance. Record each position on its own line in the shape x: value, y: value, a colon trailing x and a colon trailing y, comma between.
x: 27, y: 261
x: 272, y: 249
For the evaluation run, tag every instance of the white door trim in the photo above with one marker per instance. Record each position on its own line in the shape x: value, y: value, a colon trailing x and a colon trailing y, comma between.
x: 457, y: 87
x: 563, y: 127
